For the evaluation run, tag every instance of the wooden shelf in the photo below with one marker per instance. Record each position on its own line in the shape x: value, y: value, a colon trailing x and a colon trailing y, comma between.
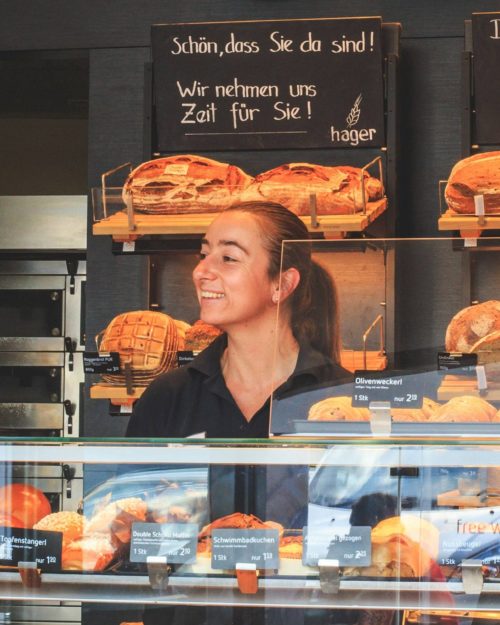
x: 455, y: 385
x: 117, y: 395
x: 469, y: 226
x: 117, y: 225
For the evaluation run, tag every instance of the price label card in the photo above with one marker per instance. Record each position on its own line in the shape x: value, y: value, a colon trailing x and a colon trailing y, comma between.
x: 23, y: 545
x: 185, y: 357
x: 101, y: 363
x: 352, y: 549
x: 231, y: 547
x: 458, y: 545
x: 176, y: 541
x: 457, y: 363
x: 401, y: 390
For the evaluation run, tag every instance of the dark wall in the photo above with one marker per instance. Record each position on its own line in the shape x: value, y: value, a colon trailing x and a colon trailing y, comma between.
x: 116, y: 33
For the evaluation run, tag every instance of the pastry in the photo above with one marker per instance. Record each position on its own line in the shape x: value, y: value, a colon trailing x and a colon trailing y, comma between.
x: 116, y: 518
x: 89, y: 553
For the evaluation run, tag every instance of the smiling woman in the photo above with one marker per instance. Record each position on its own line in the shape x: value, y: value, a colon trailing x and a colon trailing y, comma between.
x: 241, y: 281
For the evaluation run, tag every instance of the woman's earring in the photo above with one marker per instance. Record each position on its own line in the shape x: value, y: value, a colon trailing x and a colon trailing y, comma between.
x: 276, y: 297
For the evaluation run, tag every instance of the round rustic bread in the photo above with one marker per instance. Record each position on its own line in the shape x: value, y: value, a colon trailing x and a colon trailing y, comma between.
x: 146, y: 340
x: 337, y: 409
x: 475, y: 175
x: 338, y: 190
x: 184, y: 184
x: 471, y: 324
x: 466, y: 408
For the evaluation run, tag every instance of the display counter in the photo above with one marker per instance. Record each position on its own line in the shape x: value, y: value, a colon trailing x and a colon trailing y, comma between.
x: 372, y: 523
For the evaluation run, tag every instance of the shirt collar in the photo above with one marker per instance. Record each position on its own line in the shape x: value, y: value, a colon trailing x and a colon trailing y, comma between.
x: 208, y: 361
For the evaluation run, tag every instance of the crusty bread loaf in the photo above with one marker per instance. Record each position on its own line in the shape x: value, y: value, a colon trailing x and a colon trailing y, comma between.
x: 466, y: 408
x: 146, y: 340
x: 475, y: 175
x: 337, y: 409
x: 471, y: 324
x: 338, y: 190
x: 184, y: 184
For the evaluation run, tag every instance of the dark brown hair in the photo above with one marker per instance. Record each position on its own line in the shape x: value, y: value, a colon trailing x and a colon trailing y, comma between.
x: 313, y: 304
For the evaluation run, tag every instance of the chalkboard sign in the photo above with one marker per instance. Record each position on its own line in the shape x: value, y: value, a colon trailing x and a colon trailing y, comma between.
x: 269, y: 84
x: 486, y: 67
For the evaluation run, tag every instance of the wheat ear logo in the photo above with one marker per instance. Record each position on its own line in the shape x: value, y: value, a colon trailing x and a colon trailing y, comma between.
x: 353, y: 118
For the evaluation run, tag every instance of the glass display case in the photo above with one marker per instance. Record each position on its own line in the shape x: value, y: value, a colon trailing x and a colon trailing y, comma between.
x: 419, y: 328
x: 372, y: 523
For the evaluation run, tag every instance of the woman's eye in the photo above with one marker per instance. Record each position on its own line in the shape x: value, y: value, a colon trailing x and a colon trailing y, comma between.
x: 202, y: 255
x: 228, y: 259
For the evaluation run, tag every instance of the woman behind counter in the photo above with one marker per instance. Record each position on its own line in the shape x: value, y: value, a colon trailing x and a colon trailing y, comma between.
x: 225, y: 392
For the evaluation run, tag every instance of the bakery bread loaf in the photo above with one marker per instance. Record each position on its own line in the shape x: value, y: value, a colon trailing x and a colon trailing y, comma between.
x: 338, y: 190
x: 466, y: 408
x: 472, y: 324
x: 70, y: 524
x: 200, y: 335
x: 337, y: 409
x: 147, y: 342
x: 475, y: 175
x: 184, y: 184
x: 428, y: 410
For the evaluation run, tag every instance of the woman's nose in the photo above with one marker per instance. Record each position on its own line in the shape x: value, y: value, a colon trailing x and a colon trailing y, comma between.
x: 203, y: 269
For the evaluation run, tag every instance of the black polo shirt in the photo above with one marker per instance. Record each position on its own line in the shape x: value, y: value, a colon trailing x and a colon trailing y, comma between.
x: 195, y: 400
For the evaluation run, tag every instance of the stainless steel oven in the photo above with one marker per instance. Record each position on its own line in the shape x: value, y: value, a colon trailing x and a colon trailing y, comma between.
x: 41, y: 343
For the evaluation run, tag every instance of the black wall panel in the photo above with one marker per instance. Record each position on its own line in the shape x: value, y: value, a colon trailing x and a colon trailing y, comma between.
x: 114, y: 283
